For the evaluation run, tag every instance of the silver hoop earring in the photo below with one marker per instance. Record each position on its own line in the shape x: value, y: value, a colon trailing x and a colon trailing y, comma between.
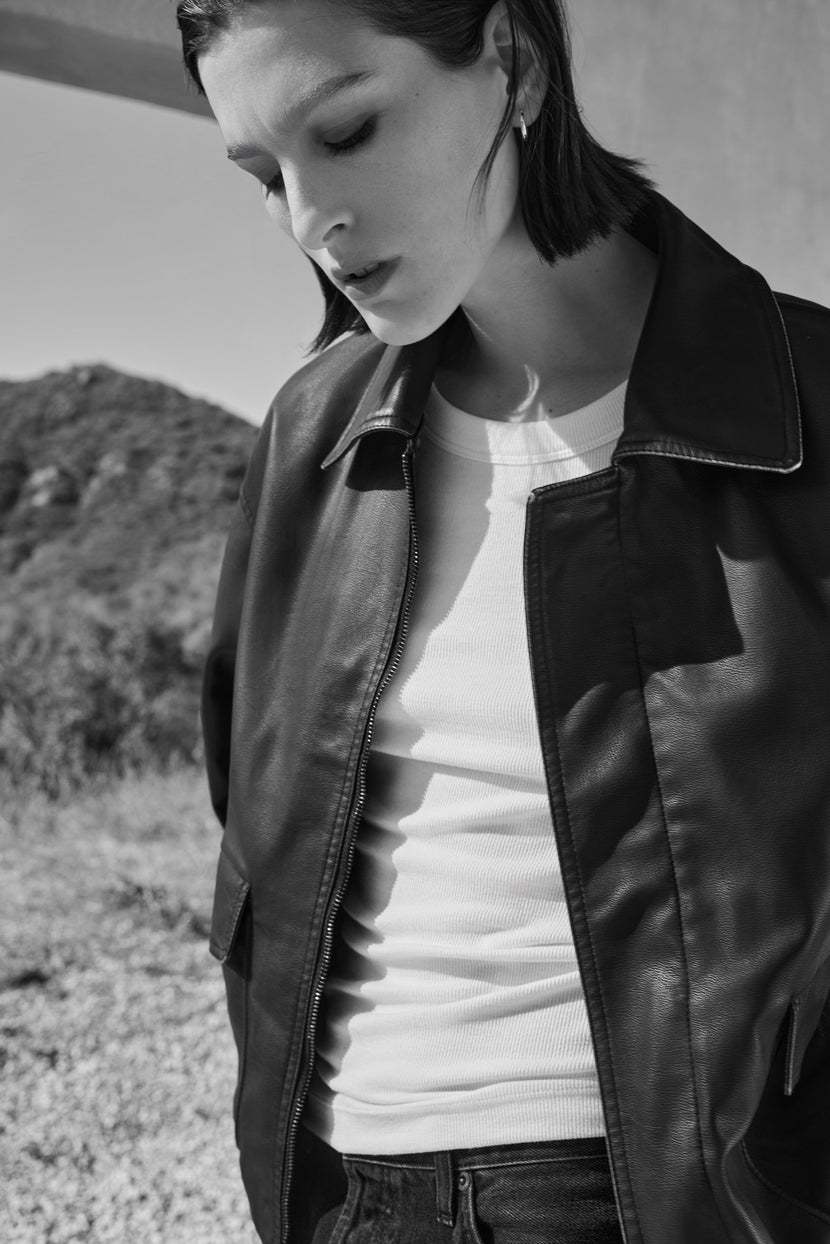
x: 523, y: 126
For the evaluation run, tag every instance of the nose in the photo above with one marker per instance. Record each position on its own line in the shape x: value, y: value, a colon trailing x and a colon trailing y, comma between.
x: 317, y: 211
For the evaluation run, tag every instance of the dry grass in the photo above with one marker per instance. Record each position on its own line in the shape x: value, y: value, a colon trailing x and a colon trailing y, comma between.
x: 116, y: 1060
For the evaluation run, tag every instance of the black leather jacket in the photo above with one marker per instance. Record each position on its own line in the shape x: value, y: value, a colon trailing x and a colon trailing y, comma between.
x: 678, y: 611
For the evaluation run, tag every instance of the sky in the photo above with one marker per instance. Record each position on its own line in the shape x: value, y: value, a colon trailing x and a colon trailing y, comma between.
x: 128, y: 238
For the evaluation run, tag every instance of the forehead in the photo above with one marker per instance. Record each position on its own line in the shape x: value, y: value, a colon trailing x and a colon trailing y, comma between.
x: 282, y: 58
x: 299, y: 29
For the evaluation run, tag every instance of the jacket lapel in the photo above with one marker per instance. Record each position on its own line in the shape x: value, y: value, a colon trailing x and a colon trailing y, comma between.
x: 712, y: 378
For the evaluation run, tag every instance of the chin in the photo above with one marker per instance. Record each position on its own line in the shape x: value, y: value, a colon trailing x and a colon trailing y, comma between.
x: 403, y: 330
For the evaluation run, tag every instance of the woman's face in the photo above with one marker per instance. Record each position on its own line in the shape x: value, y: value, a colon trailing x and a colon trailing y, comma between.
x: 368, y: 152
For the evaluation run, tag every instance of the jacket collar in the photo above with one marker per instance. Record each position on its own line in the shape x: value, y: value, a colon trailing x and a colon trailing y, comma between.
x: 396, y: 394
x: 712, y: 378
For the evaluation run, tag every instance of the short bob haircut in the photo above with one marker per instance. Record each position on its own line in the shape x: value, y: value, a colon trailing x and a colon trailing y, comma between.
x: 572, y: 190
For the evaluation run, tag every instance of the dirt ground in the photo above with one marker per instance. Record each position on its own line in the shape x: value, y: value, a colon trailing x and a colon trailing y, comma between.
x: 116, y: 1061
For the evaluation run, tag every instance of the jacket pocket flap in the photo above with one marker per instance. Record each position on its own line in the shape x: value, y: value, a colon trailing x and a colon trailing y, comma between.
x: 805, y: 1013
x: 229, y: 900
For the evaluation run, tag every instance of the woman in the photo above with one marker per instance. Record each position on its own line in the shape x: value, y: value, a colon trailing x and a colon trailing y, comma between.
x: 515, y: 709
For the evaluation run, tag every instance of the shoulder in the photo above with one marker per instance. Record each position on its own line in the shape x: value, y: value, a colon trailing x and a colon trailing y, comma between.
x: 329, y: 380
x: 807, y: 327
x: 805, y: 321
x: 310, y: 411
x: 808, y: 332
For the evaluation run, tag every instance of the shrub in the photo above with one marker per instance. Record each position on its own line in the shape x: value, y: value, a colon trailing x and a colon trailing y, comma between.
x: 85, y: 693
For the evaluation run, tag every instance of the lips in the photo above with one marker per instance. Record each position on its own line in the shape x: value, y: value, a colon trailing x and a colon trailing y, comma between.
x: 364, y: 279
x: 354, y: 271
x: 359, y: 273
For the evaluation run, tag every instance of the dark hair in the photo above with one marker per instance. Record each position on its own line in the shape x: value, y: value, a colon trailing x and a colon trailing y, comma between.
x: 572, y: 190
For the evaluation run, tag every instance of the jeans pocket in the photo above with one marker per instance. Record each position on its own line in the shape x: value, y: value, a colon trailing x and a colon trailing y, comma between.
x: 324, y: 1230
x: 335, y: 1225
x: 566, y: 1200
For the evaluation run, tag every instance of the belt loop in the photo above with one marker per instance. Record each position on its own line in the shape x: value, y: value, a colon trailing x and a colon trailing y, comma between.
x: 444, y: 1188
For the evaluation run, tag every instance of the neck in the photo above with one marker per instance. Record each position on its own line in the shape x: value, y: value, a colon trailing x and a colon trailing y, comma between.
x: 538, y: 341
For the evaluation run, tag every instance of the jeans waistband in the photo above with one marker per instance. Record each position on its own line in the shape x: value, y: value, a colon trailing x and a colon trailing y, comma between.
x: 524, y: 1153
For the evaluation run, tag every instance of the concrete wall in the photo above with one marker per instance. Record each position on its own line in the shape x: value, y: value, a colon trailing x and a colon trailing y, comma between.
x: 728, y: 101
x: 120, y: 47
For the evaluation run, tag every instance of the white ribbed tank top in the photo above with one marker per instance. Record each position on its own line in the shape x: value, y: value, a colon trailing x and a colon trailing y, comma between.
x: 454, y: 1014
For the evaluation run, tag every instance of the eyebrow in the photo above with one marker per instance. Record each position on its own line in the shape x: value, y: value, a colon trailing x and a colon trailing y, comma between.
x: 296, y: 113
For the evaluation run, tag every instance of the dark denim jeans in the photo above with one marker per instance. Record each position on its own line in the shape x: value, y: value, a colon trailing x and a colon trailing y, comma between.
x: 555, y: 1192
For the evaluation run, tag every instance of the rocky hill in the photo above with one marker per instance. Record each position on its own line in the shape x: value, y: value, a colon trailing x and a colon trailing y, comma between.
x: 115, y: 496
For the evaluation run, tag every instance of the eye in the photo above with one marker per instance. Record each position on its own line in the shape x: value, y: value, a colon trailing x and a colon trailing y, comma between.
x: 274, y: 186
x: 335, y: 147
x: 355, y: 139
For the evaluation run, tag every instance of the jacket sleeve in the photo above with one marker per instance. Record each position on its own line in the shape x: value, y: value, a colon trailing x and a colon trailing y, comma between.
x: 220, y: 664
x: 217, y: 678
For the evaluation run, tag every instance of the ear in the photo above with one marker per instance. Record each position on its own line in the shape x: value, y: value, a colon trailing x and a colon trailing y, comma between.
x: 532, y: 78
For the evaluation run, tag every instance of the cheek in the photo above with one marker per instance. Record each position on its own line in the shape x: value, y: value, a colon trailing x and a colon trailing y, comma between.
x: 424, y: 171
x: 503, y: 187
x: 426, y: 202
x: 461, y: 221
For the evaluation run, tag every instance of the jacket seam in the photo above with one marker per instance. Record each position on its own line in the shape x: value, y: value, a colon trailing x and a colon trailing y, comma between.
x: 589, y: 936
x: 377, y: 423
x: 659, y: 788
x: 777, y: 327
x: 812, y: 1210
x: 793, y: 377
x: 800, y: 304
x: 586, y: 485
x: 678, y: 449
x: 246, y: 509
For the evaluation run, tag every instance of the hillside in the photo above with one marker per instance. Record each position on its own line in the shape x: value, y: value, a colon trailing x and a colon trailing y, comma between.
x: 115, y: 496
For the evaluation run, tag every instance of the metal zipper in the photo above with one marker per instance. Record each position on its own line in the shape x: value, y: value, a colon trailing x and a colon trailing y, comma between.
x: 352, y: 820
x: 533, y: 498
